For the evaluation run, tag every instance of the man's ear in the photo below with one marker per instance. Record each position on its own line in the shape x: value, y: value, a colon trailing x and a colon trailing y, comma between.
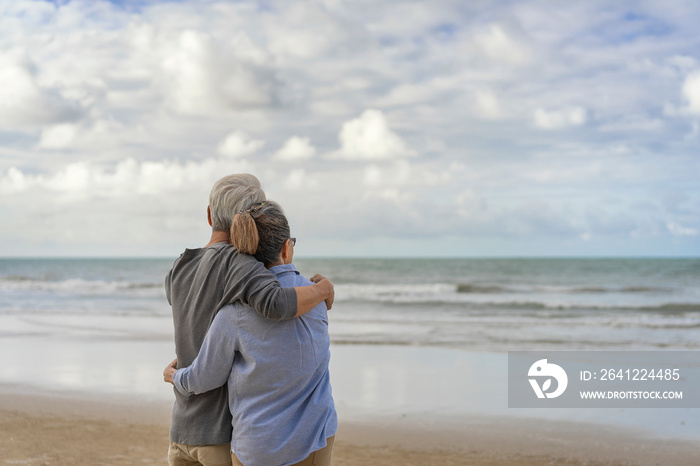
x: 209, y: 215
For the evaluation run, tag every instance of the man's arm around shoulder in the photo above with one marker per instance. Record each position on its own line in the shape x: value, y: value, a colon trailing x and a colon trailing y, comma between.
x: 250, y: 282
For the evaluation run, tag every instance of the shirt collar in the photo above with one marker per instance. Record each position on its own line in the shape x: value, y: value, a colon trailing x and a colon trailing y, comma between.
x: 280, y: 269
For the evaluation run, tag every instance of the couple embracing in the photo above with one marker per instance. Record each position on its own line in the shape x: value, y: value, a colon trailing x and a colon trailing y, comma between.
x: 251, y: 377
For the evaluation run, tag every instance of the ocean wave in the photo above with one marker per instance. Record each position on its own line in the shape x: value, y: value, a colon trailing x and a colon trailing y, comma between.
x: 665, y: 308
x: 626, y: 289
x: 471, y: 297
x: 478, y: 288
x: 76, y: 286
x: 671, y: 308
x: 474, y: 288
x: 393, y: 292
x: 502, y: 298
x: 17, y: 278
x: 500, y: 343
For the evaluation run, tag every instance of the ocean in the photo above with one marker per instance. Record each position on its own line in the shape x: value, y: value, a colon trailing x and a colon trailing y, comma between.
x: 423, y: 338
x: 494, y: 305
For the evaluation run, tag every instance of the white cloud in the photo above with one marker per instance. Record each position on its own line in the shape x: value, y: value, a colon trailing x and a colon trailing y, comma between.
x: 239, y: 144
x: 412, y: 94
x: 14, y: 181
x: 202, y: 76
x: 295, y: 180
x: 683, y: 62
x: 695, y: 131
x: 309, y: 31
x: 23, y: 101
x: 556, y: 119
x: 373, y: 176
x: 58, y: 136
x: 75, y: 178
x: 691, y: 91
x: 85, y: 205
x: 368, y: 137
x: 487, y: 105
x: 331, y: 107
x: 497, y: 44
x: 392, y: 195
x: 295, y: 149
x: 679, y: 230
x: 136, y: 101
x: 122, y: 182
x: 405, y: 175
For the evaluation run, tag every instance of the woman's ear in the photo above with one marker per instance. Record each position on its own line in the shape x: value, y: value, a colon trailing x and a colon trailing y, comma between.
x: 287, y: 252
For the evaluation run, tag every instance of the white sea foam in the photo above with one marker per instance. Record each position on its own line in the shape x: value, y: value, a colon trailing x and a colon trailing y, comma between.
x: 534, y: 298
x: 494, y: 304
x: 396, y: 293
x: 78, y: 285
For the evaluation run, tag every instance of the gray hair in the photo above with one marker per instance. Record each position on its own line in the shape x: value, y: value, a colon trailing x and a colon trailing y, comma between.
x: 230, y: 195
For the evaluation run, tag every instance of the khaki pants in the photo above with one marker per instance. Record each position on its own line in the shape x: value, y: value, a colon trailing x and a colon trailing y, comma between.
x: 320, y: 457
x: 199, y: 455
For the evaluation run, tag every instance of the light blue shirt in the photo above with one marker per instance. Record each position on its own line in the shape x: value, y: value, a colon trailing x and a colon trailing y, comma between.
x: 278, y: 381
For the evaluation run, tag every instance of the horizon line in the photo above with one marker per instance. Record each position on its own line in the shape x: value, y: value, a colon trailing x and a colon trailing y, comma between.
x: 313, y: 257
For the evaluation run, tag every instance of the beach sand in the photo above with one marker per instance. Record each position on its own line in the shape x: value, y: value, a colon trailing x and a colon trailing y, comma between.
x: 51, y: 429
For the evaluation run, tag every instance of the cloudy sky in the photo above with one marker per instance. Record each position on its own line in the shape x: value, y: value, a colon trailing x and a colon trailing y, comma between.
x: 385, y: 128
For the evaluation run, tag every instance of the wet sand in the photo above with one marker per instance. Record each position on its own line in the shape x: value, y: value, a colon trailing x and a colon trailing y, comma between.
x: 51, y: 429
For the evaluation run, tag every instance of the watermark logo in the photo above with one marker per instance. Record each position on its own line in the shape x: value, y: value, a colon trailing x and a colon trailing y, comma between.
x: 603, y: 379
x: 547, y: 371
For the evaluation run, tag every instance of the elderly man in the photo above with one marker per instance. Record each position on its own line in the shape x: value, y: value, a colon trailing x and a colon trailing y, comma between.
x: 200, y: 283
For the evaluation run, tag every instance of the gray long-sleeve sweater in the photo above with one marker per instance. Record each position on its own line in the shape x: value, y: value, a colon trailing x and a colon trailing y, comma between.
x: 200, y: 283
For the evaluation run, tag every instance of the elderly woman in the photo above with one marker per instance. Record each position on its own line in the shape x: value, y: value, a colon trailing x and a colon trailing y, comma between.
x: 277, y: 371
